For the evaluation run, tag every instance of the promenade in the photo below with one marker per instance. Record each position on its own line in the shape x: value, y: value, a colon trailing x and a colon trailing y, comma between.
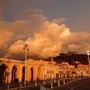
x: 65, y: 84
x: 83, y: 84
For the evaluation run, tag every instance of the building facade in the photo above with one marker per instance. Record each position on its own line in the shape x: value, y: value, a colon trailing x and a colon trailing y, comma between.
x: 34, y: 70
x: 30, y: 70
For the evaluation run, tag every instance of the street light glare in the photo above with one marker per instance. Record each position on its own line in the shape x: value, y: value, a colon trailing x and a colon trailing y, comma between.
x: 88, y: 52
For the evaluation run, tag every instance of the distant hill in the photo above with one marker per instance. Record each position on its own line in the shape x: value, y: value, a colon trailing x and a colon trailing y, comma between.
x: 71, y: 58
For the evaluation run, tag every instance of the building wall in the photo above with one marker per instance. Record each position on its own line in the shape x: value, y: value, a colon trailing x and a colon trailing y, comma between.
x: 34, y: 69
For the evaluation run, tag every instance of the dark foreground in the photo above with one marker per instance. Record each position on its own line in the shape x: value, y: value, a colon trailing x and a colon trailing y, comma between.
x: 83, y: 84
x: 80, y: 84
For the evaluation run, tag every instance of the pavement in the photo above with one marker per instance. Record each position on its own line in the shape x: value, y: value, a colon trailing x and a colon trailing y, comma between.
x: 83, y: 84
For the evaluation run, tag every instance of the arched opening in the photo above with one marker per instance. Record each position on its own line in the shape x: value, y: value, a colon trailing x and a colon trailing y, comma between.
x: 32, y: 74
x: 39, y: 74
x: 14, y: 74
x: 23, y: 74
x: 3, y: 74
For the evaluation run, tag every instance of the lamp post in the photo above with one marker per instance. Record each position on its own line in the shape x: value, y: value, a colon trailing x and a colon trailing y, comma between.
x: 26, y: 49
x: 88, y: 53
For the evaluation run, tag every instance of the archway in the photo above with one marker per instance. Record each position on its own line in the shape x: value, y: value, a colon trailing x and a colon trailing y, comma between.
x: 14, y: 74
x: 32, y: 74
x: 23, y: 74
x: 3, y: 74
x: 39, y: 73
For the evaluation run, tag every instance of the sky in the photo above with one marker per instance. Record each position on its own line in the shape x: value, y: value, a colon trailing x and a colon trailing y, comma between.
x: 49, y: 27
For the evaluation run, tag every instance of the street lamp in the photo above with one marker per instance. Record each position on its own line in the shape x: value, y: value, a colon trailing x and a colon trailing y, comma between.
x: 88, y: 53
x: 26, y: 49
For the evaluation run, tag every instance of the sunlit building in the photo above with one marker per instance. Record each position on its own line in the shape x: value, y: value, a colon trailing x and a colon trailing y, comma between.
x: 30, y: 70
x: 34, y: 70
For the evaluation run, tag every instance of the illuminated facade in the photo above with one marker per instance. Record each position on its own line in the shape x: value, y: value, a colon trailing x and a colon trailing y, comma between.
x: 33, y: 70
x: 12, y: 70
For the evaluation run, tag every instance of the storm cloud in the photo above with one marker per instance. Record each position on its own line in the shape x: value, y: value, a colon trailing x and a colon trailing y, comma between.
x: 46, y: 38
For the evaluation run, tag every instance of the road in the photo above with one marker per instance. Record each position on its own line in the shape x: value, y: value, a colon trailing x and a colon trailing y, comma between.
x: 83, y: 84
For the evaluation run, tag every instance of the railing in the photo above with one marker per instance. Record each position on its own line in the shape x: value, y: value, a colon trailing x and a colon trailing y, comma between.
x: 59, y: 82
x: 49, y: 83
